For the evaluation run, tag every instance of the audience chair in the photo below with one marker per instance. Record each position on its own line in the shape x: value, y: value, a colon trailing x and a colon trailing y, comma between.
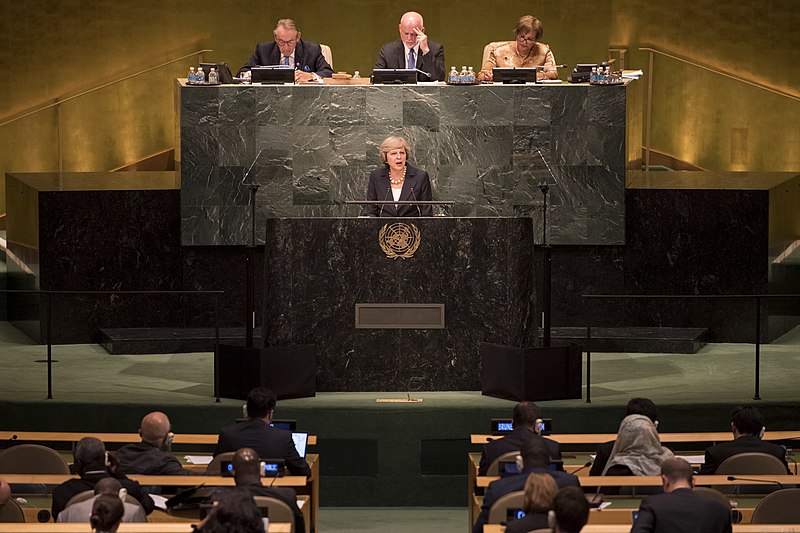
x: 717, y: 496
x: 11, y: 512
x: 499, y: 511
x: 213, y: 468
x: 32, y: 459
x: 277, y: 511
x: 780, y: 507
x: 487, y: 50
x: 545, y: 530
x: 750, y: 464
x: 85, y: 495
x: 494, y: 467
x: 327, y: 54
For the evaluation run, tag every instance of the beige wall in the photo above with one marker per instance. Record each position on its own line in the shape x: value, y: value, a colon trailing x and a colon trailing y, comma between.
x: 53, y: 48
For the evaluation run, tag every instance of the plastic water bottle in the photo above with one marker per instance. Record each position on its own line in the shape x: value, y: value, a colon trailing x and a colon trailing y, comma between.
x: 201, y: 76
x: 453, y: 76
x: 462, y: 76
x: 192, y: 76
x: 593, y: 75
x: 213, y: 76
x: 470, y: 75
x: 356, y: 75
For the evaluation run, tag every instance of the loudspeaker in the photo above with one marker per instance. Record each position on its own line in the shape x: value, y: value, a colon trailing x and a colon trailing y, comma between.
x: 288, y: 371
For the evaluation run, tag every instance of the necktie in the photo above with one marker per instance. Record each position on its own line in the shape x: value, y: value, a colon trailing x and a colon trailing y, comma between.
x: 412, y: 61
x: 286, y: 60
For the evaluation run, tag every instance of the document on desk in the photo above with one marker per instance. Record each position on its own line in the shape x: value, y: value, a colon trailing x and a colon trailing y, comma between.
x: 198, y: 459
x: 160, y: 501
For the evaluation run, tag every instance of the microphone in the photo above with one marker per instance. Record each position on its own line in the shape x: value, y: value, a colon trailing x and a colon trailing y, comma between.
x: 388, y: 191
x: 277, y: 471
x: 737, y: 478
x: 575, y: 472
x: 545, y: 164
x: 423, y: 72
x: 419, y: 211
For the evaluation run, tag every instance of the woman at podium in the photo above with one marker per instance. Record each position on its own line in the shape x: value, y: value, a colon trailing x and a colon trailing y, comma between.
x: 398, y: 181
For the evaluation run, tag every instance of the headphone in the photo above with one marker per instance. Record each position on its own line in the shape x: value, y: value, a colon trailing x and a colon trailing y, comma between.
x: 537, y: 426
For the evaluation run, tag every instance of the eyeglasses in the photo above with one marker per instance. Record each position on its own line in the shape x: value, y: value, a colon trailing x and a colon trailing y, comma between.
x: 526, y: 39
x: 284, y: 43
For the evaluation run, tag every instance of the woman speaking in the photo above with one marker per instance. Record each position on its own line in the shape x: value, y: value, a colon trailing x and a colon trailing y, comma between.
x: 398, y: 181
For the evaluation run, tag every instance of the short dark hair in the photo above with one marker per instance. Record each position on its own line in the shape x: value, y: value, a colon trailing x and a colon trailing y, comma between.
x: 747, y: 419
x: 107, y: 511
x: 235, y: 512
x: 90, y: 451
x: 642, y: 406
x: 535, y: 453
x: 676, y: 469
x: 571, y: 508
x: 525, y: 414
x: 260, y: 401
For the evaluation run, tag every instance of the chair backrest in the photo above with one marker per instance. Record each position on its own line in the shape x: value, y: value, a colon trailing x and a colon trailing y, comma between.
x: 11, y: 512
x: 277, y: 510
x: 32, y: 459
x: 85, y: 495
x: 544, y: 530
x: 780, y: 507
x: 327, y: 54
x: 713, y: 494
x: 499, y: 511
x: 213, y: 468
x: 488, y: 49
x: 752, y: 463
x: 494, y: 467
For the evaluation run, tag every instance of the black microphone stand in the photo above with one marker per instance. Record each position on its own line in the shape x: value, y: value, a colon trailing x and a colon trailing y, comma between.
x: 249, y: 302
x: 547, y: 267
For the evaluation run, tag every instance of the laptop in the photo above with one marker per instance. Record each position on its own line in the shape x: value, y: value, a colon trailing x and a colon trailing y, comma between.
x: 276, y: 74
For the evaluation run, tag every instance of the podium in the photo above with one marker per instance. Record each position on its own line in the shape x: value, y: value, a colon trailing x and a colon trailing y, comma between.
x: 288, y: 371
x: 533, y: 374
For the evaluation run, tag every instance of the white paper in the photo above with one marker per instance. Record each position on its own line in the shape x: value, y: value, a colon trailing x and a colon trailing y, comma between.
x: 198, y: 459
x: 160, y: 501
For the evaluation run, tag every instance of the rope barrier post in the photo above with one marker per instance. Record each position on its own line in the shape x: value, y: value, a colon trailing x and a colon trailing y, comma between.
x: 756, y: 394
x: 49, y: 324
x: 216, y: 347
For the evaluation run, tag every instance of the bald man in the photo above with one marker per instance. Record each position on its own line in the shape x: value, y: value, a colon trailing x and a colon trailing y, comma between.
x: 413, y: 50
x: 149, y: 456
x: 5, y: 492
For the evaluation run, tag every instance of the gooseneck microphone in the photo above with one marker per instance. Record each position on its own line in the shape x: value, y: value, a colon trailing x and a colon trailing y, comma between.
x: 386, y: 197
x: 769, y: 481
x: 414, y: 196
x: 587, y: 465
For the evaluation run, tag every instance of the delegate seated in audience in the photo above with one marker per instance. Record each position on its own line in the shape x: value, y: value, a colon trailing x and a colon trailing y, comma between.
x: 92, y: 464
x: 256, y: 433
x: 540, y: 491
x: 107, y: 512
x: 523, y: 52
x: 247, y: 475
x: 524, y: 421
x: 637, y: 450
x: 82, y: 511
x: 747, y: 425
x: 636, y: 406
x: 679, y: 509
x: 234, y: 512
x: 534, y: 457
x: 570, y: 510
x: 5, y: 492
x: 148, y: 457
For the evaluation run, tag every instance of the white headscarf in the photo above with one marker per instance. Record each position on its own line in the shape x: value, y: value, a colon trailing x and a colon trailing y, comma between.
x: 638, y: 447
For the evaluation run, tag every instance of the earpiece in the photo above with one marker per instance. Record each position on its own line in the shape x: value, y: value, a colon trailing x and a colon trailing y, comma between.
x: 761, y: 433
x: 107, y: 460
x: 551, y: 519
x: 537, y: 426
x: 168, y: 439
x: 518, y: 461
x: 123, y: 492
x: 244, y: 409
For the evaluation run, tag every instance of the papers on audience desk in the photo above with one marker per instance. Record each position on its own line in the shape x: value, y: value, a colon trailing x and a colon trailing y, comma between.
x: 632, y: 74
x: 160, y: 501
x: 198, y: 459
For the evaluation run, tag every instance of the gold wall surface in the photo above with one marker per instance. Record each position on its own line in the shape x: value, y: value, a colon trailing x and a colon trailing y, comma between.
x: 56, y: 48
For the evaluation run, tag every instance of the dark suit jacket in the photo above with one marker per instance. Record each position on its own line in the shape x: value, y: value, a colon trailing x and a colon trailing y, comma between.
x: 682, y: 511
x: 417, y: 186
x: 71, y: 487
x: 146, y: 459
x: 746, y: 443
x: 529, y: 522
x: 284, y: 494
x: 512, y: 442
x: 393, y: 55
x: 503, y: 486
x: 268, y: 442
x: 307, y: 57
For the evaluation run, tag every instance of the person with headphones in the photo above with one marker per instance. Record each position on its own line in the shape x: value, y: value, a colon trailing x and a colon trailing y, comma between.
x: 149, y: 457
x: 747, y: 425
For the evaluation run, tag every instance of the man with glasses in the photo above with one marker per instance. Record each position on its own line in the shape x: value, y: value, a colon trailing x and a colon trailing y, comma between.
x: 524, y: 52
x: 290, y: 50
x: 413, y: 50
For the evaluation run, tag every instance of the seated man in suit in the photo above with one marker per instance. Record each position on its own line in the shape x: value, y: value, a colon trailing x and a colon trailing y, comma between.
x: 747, y: 424
x: 524, y: 420
x: 247, y: 475
x: 534, y: 457
x: 92, y: 464
x: 81, y: 511
x: 289, y: 49
x: 413, y: 50
x: 570, y: 510
x: 636, y: 406
x: 148, y: 456
x: 679, y: 510
x: 256, y: 433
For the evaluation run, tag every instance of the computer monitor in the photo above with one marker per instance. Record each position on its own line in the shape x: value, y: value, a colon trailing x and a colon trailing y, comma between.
x: 288, y: 425
x: 397, y: 76
x: 514, y: 75
x: 300, y: 442
x: 502, y: 426
x: 277, y: 74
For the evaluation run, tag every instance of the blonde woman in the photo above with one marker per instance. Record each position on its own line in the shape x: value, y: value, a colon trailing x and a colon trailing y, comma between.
x: 397, y: 180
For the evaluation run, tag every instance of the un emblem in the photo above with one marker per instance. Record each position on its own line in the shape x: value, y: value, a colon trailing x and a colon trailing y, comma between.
x: 399, y: 240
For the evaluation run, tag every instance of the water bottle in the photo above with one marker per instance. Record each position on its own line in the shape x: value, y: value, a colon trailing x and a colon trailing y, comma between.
x: 356, y: 75
x: 453, y: 76
x: 593, y: 75
x: 192, y: 76
x: 201, y: 76
x: 462, y: 76
x: 213, y: 76
x: 470, y: 75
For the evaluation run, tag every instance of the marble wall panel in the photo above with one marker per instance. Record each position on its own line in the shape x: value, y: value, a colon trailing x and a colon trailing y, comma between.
x: 232, y: 135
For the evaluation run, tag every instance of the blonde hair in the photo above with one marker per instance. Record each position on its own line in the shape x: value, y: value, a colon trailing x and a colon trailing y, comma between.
x: 393, y: 142
x: 540, y: 491
x: 529, y: 23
